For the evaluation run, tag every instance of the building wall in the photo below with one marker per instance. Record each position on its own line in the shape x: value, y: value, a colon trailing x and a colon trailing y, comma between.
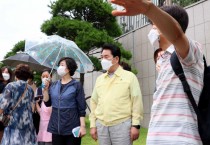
x: 136, y: 41
x: 129, y: 23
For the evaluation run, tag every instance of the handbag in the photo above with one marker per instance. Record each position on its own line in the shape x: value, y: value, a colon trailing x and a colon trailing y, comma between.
x: 6, y: 117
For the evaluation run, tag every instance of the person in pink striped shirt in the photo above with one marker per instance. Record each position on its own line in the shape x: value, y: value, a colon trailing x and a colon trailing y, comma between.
x: 173, y: 120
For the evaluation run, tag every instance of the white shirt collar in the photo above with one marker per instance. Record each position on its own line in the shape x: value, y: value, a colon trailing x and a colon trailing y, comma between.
x: 170, y: 49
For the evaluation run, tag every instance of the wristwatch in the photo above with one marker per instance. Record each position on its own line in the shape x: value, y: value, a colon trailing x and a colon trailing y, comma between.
x: 136, y: 126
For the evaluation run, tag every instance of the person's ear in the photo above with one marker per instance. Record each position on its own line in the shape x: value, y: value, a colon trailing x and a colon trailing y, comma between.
x: 118, y: 59
x: 68, y: 70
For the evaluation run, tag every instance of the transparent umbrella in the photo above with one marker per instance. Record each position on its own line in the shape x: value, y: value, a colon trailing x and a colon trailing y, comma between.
x: 48, y: 51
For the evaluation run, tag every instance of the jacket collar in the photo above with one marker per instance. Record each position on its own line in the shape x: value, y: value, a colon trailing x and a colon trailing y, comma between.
x: 118, y: 72
x: 170, y: 49
x: 69, y: 83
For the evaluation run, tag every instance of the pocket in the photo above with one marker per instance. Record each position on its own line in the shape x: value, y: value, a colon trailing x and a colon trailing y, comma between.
x: 98, y: 124
x: 127, y: 124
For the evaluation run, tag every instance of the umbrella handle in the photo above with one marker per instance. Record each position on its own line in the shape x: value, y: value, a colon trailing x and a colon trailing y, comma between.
x: 56, y: 59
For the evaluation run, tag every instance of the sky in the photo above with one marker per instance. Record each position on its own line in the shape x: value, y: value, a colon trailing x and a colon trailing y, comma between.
x: 20, y: 20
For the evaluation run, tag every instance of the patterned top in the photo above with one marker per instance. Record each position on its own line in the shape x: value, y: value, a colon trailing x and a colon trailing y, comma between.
x: 173, y: 120
x: 20, y: 130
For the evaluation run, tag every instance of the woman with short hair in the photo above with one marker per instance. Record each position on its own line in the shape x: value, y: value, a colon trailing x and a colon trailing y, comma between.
x: 68, y: 105
x: 20, y: 129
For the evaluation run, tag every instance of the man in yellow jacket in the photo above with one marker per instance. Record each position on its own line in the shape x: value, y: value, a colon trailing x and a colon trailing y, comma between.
x: 116, y: 102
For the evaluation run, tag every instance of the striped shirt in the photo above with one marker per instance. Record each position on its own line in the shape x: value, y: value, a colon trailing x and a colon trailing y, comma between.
x: 173, y: 120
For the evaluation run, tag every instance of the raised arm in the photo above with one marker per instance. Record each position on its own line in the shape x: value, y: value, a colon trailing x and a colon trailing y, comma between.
x: 46, y: 96
x: 168, y: 26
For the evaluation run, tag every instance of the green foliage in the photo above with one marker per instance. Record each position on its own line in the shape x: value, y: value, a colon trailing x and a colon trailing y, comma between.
x: 184, y: 3
x: 18, y: 47
x: 87, y: 22
x: 96, y: 12
x: 1, y: 64
x: 37, y: 78
x: 96, y: 62
x: 11, y: 53
x: 64, y: 27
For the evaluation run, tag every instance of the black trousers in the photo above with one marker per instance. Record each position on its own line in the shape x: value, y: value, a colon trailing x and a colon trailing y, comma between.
x: 65, y: 140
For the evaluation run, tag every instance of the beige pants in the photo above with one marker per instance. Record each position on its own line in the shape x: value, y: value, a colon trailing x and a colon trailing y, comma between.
x: 114, y: 135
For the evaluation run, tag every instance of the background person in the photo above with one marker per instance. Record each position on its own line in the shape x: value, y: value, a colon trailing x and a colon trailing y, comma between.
x: 7, y: 74
x: 125, y: 66
x: 157, y: 55
x: 44, y: 137
x: 31, y: 82
x: 20, y: 130
x: 68, y: 105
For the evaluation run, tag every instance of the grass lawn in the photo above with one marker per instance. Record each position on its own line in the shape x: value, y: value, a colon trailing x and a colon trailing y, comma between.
x: 87, y: 140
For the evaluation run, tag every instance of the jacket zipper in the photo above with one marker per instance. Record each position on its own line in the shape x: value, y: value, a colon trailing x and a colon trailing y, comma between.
x: 59, y: 114
x: 59, y: 100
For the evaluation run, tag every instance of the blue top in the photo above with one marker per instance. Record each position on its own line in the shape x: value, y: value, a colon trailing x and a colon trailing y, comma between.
x: 68, y: 105
x: 20, y: 129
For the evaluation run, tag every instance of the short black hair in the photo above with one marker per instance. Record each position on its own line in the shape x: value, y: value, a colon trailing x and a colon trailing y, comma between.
x: 115, y: 51
x: 71, y: 64
x: 179, y: 14
x: 22, y: 72
x: 31, y: 76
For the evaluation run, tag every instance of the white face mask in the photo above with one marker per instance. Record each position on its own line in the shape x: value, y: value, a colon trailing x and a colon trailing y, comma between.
x: 106, y: 64
x: 154, y: 38
x: 61, y: 71
x: 44, y: 80
x: 6, y: 76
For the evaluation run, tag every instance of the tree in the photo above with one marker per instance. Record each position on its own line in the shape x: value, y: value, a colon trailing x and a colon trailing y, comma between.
x: 184, y: 3
x: 87, y: 22
x: 17, y: 47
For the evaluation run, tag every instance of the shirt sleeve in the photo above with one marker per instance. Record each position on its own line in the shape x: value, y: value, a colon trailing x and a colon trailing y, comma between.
x: 48, y: 103
x: 6, y: 98
x: 80, y: 99
x: 136, y: 100
x: 194, y: 55
x: 93, y: 105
